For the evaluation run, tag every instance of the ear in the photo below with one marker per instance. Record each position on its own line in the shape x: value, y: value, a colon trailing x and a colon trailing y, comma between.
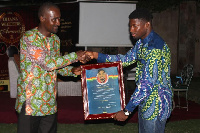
x: 148, y: 24
x: 42, y: 18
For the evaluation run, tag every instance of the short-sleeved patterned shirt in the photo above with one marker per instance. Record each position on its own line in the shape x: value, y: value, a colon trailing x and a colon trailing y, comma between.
x: 40, y: 61
x: 153, y: 92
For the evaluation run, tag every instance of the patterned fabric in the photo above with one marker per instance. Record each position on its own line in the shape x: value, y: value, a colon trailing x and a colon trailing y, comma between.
x: 153, y: 93
x: 40, y: 61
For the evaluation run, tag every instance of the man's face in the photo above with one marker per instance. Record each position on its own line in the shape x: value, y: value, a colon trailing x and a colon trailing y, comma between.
x: 138, y: 28
x: 102, y: 76
x: 52, y: 20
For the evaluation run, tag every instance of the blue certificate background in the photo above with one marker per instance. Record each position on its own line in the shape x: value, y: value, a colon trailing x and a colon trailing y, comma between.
x: 103, y: 98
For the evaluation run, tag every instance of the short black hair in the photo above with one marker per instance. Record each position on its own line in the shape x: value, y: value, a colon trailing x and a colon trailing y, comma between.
x: 101, y: 70
x: 45, y: 6
x: 141, y: 14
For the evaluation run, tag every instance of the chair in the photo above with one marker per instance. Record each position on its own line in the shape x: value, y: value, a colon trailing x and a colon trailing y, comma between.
x: 182, y: 84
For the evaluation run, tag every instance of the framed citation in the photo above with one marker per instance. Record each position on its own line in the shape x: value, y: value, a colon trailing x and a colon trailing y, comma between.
x: 102, y: 90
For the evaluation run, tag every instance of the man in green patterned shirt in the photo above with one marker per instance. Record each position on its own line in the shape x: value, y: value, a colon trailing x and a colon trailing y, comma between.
x: 40, y: 61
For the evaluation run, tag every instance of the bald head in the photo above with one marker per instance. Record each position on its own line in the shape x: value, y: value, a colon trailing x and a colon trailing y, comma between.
x: 45, y: 7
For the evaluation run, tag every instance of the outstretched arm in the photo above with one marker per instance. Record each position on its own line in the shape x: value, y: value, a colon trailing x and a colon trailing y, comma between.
x: 42, y: 58
x: 127, y: 59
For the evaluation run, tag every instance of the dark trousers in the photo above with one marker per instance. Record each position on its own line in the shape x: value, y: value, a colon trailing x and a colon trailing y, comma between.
x: 36, y: 124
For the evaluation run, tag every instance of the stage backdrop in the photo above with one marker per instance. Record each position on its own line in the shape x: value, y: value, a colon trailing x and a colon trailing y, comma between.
x: 105, y: 24
x: 15, y: 20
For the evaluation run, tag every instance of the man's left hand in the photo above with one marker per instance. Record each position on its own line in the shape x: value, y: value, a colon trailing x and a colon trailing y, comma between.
x: 120, y: 116
x: 76, y: 70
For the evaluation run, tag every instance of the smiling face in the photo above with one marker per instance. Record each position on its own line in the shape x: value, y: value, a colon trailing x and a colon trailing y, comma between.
x: 102, y: 76
x: 139, y: 28
x: 50, y: 21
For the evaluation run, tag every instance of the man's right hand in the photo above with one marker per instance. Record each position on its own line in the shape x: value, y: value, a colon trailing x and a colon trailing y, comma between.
x: 85, y: 56
x: 92, y: 55
x: 82, y: 57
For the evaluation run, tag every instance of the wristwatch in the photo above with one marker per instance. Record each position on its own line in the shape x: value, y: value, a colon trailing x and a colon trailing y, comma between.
x: 126, y: 112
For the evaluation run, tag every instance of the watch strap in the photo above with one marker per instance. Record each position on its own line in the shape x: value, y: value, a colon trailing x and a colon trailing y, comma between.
x: 126, y: 112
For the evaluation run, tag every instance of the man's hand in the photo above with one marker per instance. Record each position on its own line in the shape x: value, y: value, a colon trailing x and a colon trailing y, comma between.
x: 120, y: 116
x: 76, y: 70
x: 82, y: 56
x: 92, y: 55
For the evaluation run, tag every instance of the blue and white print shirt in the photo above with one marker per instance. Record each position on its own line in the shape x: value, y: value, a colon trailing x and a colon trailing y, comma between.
x: 153, y: 93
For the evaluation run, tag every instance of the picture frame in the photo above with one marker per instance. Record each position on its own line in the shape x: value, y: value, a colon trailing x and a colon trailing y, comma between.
x: 102, y: 89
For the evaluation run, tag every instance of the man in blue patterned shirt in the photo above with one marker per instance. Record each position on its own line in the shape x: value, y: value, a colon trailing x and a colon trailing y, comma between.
x: 153, y: 94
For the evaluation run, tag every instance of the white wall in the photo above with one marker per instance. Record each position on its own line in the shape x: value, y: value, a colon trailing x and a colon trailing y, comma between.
x: 104, y: 24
